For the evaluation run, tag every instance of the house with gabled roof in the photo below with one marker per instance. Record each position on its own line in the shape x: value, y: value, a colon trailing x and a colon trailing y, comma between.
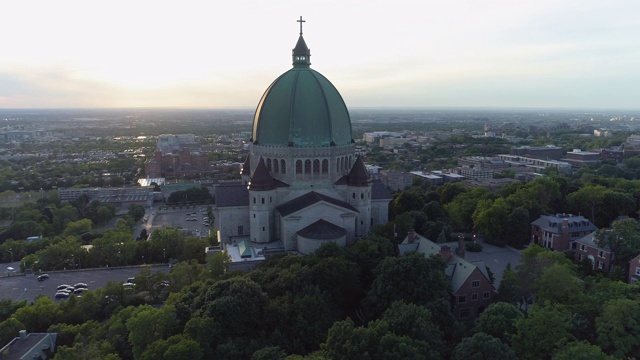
x: 557, y: 232
x: 471, y: 287
x: 586, y: 248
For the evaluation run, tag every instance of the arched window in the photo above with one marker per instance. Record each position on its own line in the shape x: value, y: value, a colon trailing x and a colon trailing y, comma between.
x: 269, y: 165
x: 276, y: 168
x: 337, y: 165
x: 350, y: 161
x: 283, y: 166
x: 316, y: 166
x: 307, y: 167
x: 325, y: 166
x: 298, y: 166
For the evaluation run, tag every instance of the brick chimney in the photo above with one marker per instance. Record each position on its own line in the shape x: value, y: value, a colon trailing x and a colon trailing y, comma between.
x: 461, y: 249
x: 411, y: 236
x: 445, y: 252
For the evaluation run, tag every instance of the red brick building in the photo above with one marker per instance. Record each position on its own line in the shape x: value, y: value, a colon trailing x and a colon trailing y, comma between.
x: 557, y: 232
x: 586, y: 248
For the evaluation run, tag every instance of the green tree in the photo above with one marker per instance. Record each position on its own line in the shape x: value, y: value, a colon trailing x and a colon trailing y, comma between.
x: 412, y: 279
x: 581, y: 351
x: 9, y: 329
x: 482, y: 347
x: 8, y: 307
x: 136, y: 212
x: 587, y: 200
x: 519, y: 226
x: 462, y: 207
x: 559, y: 284
x: 618, y: 328
x: 499, y: 320
x: 147, y: 325
x: 177, y: 347
x: 77, y: 227
x: 489, y: 217
x: 38, y: 317
x: 415, y: 322
x: 218, y: 264
x: 538, y: 196
x: 345, y: 341
x: 269, y: 353
x: 509, y: 289
x: 546, y: 329
x: 623, y: 238
x: 406, y: 201
x: 535, y: 259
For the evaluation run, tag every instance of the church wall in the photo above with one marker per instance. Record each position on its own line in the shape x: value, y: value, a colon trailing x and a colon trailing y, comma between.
x: 229, y: 219
x: 380, y: 211
x: 291, y: 224
x: 307, y: 246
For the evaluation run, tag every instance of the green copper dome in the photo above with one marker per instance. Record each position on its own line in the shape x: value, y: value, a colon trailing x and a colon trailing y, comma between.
x: 301, y: 108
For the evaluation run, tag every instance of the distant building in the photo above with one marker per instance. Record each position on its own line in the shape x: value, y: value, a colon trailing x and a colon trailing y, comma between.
x: 476, y: 174
x: 471, y: 287
x: 39, y: 346
x: 428, y: 177
x: 602, y: 133
x: 483, y: 162
x: 448, y: 176
x: 578, y: 158
x: 537, y: 164
x: 177, y: 155
x: 396, y: 180
x: 376, y: 136
x: 558, y: 232
x: 549, y: 152
x: 119, y: 197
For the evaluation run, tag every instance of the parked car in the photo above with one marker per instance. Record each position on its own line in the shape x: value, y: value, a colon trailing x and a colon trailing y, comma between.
x: 63, y: 286
x: 80, y: 285
x: 43, y: 277
x: 79, y: 291
x: 61, y: 295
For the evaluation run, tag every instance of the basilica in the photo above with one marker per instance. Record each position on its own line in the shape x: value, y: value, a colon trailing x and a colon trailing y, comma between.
x: 302, y: 183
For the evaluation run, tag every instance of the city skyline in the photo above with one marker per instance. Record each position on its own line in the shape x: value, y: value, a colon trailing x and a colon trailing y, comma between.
x: 199, y: 54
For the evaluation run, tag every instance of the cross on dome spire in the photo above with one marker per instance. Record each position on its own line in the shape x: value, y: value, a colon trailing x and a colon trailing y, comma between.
x: 301, y: 53
x: 301, y: 21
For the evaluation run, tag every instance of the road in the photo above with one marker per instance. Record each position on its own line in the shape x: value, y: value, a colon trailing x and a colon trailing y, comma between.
x: 21, y: 287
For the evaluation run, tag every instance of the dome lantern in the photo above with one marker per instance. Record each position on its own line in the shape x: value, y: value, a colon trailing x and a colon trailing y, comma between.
x: 301, y: 53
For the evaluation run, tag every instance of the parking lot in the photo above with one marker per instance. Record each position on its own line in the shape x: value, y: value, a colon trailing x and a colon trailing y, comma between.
x: 193, y: 220
x: 18, y: 287
x: 21, y: 287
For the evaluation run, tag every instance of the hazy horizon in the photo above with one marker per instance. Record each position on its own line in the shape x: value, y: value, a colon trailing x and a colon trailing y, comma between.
x: 496, y: 54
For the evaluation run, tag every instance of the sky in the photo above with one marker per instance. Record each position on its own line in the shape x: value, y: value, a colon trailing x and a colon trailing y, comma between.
x: 378, y: 53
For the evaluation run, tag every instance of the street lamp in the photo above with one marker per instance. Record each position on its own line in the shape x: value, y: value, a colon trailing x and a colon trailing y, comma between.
x: 164, y: 254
